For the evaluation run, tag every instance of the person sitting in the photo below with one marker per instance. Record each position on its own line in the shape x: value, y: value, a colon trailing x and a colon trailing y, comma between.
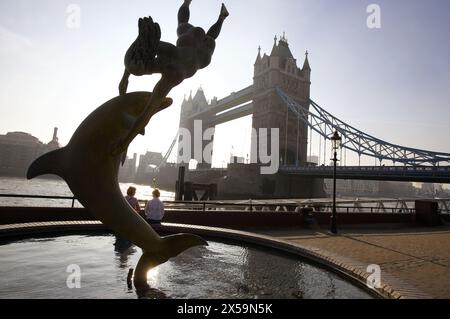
x: 132, y: 200
x: 154, y: 210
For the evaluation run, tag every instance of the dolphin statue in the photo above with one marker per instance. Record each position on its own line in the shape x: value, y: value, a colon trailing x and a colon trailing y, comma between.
x: 90, y: 169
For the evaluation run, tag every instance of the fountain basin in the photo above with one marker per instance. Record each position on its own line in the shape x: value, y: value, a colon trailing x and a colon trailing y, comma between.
x: 38, y: 268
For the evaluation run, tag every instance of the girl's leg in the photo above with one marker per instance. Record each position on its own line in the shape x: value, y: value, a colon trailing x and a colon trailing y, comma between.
x: 214, y: 31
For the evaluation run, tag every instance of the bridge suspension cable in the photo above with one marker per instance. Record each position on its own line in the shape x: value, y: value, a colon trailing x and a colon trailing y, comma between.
x: 355, y: 140
x: 169, y: 151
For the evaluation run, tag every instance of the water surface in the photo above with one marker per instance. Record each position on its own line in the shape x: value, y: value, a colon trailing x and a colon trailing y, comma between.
x: 37, y: 268
x: 57, y: 187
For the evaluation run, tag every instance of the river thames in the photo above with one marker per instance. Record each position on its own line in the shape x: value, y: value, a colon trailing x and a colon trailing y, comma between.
x: 57, y: 187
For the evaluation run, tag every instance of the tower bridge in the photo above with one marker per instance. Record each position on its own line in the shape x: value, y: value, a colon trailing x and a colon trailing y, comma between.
x: 236, y: 105
x: 261, y: 100
x: 280, y: 98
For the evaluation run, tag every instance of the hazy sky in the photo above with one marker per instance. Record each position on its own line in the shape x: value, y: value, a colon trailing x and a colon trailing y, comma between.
x: 393, y: 82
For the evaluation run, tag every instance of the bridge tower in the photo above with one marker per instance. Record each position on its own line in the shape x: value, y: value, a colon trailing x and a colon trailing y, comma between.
x: 280, y: 70
x: 192, y: 109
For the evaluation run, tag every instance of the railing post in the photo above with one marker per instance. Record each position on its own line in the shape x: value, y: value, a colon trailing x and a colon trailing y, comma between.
x: 73, y: 202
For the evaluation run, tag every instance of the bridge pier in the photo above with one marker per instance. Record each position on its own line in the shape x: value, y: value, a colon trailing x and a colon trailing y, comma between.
x: 244, y: 181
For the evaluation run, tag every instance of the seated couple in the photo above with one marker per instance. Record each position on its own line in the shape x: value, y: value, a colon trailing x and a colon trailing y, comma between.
x: 154, y: 210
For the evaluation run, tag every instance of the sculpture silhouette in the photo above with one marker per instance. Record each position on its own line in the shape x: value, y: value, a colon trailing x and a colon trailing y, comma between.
x: 90, y: 171
x: 148, y: 55
x: 90, y: 162
x: 143, y: 289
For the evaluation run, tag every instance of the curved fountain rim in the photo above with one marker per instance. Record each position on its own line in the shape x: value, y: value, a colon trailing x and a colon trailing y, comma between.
x: 346, y: 271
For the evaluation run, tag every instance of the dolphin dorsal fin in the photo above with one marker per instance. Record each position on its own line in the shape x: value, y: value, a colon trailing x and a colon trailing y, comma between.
x: 49, y: 163
x: 123, y: 157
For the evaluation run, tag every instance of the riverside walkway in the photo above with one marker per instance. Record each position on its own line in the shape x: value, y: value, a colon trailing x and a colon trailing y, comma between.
x: 414, y: 261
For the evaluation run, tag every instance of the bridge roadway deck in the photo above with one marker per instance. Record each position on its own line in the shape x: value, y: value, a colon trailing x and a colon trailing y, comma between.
x: 381, y: 173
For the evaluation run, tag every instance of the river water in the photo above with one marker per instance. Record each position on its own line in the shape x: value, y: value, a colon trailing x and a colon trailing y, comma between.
x: 57, y: 187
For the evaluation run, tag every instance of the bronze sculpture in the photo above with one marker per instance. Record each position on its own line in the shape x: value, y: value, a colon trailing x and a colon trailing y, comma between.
x: 149, y: 55
x: 90, y: 171
x: 90, y: 162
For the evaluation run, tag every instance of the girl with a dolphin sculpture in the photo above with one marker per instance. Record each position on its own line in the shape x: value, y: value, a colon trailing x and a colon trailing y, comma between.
x: 149, y: 55
x: 91, y: 160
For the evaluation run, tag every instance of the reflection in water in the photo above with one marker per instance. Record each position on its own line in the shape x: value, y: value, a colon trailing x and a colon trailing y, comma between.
x: 271, y: 277
x: 124, y: 249
x: 37, y: 269
x: 301, y: 282
x: 237, y: 272
x: 145, y: 270
x: 331, y: 287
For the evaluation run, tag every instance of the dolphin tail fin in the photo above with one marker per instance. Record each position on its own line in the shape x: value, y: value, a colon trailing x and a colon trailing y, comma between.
x: 49, y: 163
x: 178, y: 243
x: 173, y: 245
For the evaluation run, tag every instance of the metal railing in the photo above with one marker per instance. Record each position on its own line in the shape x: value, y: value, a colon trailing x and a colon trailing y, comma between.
x: 278, y: 207
x: 73, y: 199
x: 442, y: 169
x: 343, y: 206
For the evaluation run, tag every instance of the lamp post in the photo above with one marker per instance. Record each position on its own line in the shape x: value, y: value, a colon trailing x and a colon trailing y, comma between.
x: 336, y: 143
